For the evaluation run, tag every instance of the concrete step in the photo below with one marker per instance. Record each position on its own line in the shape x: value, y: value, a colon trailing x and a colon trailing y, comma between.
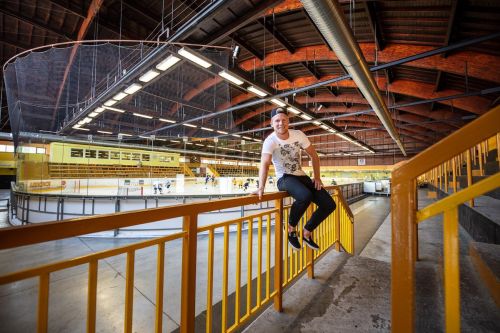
x: 462, y: 180
x: 486, y: 260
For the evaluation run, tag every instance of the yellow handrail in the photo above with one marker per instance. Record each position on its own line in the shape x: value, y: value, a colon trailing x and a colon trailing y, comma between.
x: 288, y: 264
x: 433, y: 165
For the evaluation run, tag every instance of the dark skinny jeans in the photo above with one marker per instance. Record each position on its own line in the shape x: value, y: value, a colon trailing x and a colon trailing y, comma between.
x: 301, y: 188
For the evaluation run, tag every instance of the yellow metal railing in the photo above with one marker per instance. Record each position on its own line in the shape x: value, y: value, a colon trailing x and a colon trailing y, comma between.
x: 435, y: 166
x: 336, y: 230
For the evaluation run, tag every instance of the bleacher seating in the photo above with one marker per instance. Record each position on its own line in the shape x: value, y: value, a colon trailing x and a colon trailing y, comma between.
x: 68, y: 171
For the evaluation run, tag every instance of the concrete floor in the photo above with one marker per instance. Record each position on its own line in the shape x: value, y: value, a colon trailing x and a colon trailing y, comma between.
x: 68, y: 288
x: 352, y: 293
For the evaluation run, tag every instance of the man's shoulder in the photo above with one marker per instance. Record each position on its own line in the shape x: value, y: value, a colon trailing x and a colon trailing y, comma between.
x: 296, y: 133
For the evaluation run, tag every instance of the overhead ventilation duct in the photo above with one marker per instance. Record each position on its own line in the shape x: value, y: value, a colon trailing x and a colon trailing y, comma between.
x: 328, y: 16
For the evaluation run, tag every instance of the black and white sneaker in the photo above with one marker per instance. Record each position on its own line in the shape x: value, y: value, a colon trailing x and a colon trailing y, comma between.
x: 309, y: 242
x: 293, y: 240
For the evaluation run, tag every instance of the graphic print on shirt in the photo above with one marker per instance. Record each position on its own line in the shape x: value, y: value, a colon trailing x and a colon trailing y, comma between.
x: 290, y: 157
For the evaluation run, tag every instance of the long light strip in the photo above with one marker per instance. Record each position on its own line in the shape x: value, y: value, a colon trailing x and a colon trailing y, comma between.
x: 120, y: 96
x: 81, y: 129
x: 207, y: 129
x: 257, y: 91
x: 194, y: 58
x: 168, y: 62
x: 278, y: 102
x: 293, y: 110
x: 93, y: 114
x: 133, y: 88
x: 231, y: 78
x: 149, y: 75
x: 189, y: 125
x: 124, y: 134
x: 142, y: 115
x: 104, y: 132
x: 305, y: 116
x: 221, y: 132
x: 99, y: 109
x: 110, y: 102
x: 167, y: 120
x: 114, y: 109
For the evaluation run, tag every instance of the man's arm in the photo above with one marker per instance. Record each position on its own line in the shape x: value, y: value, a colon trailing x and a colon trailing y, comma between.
x: 265, y: 162
x: 318, y: 184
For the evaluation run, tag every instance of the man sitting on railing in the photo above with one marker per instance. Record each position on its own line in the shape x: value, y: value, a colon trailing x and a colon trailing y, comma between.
x: 282, y: 148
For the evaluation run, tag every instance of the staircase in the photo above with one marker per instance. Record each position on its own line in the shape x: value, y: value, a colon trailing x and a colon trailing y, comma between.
x: 482, y: 221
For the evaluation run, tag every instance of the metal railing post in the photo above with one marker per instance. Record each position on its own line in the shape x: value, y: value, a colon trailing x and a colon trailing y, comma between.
x: 403, y: 254
x: 188, y: 288
x: 278, y: 255
x: 451, y: 270
x: 337, y: 221
x: 309, y: 251
x: 469, y: 175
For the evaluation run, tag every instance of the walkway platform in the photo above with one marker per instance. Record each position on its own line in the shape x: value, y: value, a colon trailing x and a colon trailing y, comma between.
x: 352, y: 293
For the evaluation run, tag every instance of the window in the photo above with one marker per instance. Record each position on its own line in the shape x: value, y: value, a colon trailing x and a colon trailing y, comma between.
x: 136, y: 156
x: 75, y: 152
x: 114, y: 155
x: 40, y: 150
x: 103, y: 154
x: 145, y: 157
x: 90, y: 153
x: 125, y: 156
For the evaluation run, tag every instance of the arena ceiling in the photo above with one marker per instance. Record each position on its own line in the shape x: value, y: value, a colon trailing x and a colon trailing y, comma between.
x: 281, y: 49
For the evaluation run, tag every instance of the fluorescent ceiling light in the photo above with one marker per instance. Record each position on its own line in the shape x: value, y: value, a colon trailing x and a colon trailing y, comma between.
x: 114, y: 109
x: 120, y: 96
x: 221, y: 132
x: 76, y: 126
x: 168, y: 62
x: 231, y: 78
x: 175, y: 141
x: 332, y: 131
x: 317, y: 123
x: 142, y: 115
x: 257, y: 91
x: 189, y: 125
x: 278, y: 102
x: 133, y: 88
x: 194, y: 58
x: 93, y: 114
x: 87, y: 120
x: 258, y: 140
x: 207, y: 129
x: 167, y: 120
x: 324, y: 127
x: 104, y: 132
x: 305, y: 116
x: 110, y: 102
x: 124, y: 134
x: 99, y: 109
x: 151, y: 74
x: 199, y: 145
x: 293, y: 110
x: 160, y: 139
x: 247, y: 137
x: 236, y: 135
x: 81, y: 129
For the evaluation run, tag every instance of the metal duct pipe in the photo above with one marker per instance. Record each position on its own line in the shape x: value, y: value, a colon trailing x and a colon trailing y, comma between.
x: 329, y: 17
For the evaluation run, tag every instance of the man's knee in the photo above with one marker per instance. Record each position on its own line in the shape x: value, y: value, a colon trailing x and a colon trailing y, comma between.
x: 329, y: 205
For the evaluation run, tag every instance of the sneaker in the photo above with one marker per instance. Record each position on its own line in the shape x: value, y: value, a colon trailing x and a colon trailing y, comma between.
x: 309, y: 242
x: 293, y: 240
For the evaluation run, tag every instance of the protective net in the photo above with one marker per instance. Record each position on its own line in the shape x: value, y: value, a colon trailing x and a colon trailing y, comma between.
x: 63, y: 90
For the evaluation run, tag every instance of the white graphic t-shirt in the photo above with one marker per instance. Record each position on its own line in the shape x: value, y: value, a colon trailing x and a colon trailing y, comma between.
x: 286, y: 153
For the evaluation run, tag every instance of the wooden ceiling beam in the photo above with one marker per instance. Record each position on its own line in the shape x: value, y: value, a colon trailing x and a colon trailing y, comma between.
x: 479, y: 65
